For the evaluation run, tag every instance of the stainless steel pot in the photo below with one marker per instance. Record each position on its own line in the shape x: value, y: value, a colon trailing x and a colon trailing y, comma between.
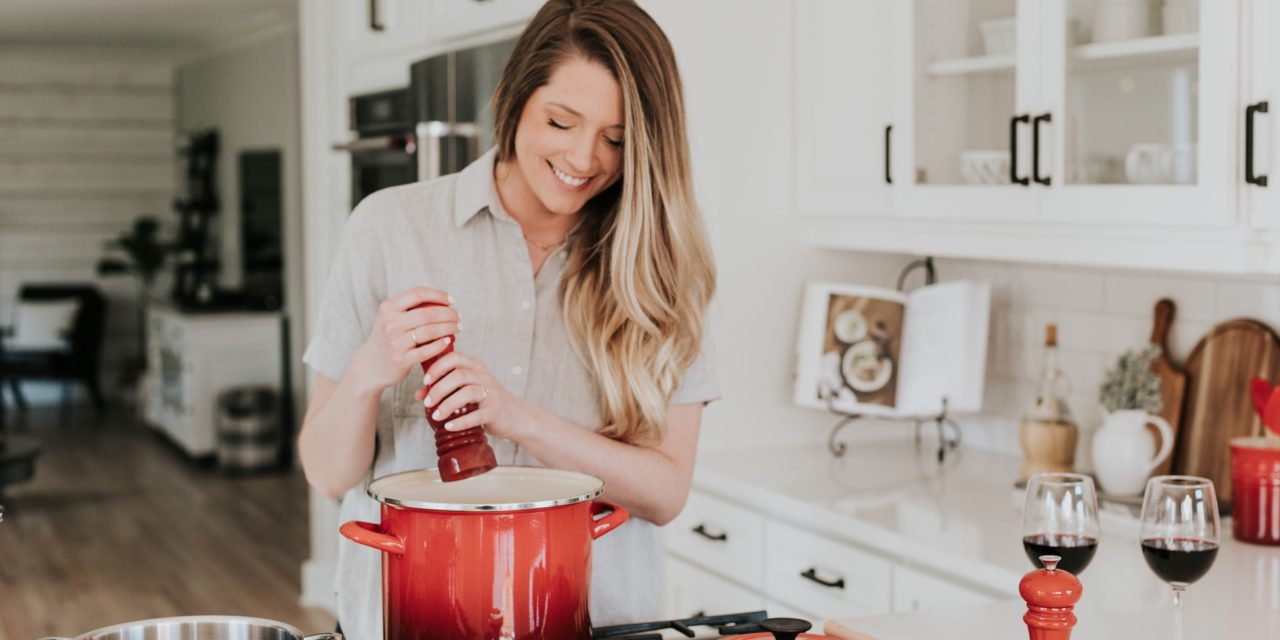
x: 201, y: 628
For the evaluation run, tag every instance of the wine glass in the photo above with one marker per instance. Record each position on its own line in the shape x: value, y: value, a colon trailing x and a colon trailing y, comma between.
x: 1060, y: 518
x: 1179, y: 531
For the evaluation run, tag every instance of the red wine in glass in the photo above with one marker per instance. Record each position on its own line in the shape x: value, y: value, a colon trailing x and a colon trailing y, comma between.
x: 1076, y: 551
x: 1179, y: 560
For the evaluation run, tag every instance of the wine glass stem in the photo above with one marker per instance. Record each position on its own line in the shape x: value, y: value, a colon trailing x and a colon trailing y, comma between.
x: 1177, y: 610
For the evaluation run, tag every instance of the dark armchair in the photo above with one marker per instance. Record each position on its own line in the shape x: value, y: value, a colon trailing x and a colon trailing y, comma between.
x: 79, y: 362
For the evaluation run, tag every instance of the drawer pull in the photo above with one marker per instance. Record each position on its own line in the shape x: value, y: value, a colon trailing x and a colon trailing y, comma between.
x: 811, y: 574
x: 714, y: 537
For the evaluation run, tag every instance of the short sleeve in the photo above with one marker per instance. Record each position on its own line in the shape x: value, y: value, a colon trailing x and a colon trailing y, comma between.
x: 700, y: 384
x: 349, y: 304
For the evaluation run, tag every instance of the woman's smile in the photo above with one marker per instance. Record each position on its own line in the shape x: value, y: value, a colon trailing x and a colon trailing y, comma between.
x: 567, y: 181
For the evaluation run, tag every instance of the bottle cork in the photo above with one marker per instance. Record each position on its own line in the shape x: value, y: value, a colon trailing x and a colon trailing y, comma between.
x: 1051, y: 335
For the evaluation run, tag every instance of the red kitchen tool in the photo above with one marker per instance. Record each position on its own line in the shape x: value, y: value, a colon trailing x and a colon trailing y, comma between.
x: 462, y: 453
x: 1266, y: 400
x: 1051, y: 596
x: 1255, y: 473
x: 505, y: 554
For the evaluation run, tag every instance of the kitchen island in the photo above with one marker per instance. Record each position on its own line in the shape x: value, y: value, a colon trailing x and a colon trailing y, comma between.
x: 960, y: 521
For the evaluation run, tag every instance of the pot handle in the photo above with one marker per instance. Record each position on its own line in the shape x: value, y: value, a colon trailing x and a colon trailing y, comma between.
x: 1166, y: 441
x: 617, y: 516
x: 371, y: 535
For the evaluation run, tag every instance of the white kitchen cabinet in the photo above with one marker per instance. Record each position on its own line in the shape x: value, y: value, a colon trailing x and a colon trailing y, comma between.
x: 379, y: 27
x: 689, y: 592
x: 810, y: 571
x: 844, y: 107
x: 452, y: 19
x: 915, y: 591
x: 721, y: 536
x: 193, y: 357
x: 1262, y: 82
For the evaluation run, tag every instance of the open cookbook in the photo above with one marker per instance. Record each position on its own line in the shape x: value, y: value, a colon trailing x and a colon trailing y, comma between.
x: 871, y: 351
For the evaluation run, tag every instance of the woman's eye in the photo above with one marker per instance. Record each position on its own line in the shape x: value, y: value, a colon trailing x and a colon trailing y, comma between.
x: 555, y: 124
x: 614, y: 143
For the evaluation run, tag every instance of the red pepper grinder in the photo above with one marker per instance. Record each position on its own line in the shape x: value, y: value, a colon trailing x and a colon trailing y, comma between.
x: 1051, y: 595
x: 462, y: 453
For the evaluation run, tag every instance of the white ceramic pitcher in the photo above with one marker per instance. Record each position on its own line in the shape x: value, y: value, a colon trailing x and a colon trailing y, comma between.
x: 1122, y: 451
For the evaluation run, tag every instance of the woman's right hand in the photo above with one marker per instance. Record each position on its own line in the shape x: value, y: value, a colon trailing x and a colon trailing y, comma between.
x: 406, y: 333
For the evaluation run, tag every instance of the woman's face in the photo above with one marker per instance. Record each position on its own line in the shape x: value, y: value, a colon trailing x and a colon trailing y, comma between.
x: 569, y: 139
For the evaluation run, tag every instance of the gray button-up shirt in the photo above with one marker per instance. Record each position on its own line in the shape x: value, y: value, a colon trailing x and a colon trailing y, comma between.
x: 453, y: 234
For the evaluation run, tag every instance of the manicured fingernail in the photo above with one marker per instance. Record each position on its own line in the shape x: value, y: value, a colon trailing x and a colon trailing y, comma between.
x: 426, y: 402
x: 451, y: 300
x: 426, y: 378
x: 435, y: 415
x: 448, y: 339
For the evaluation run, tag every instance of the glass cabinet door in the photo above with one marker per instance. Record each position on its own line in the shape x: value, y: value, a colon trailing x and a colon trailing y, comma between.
x: 966, y: 82
x: 1130, y: 121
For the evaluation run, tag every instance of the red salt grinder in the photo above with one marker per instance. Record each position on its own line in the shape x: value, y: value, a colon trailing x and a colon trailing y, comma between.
x: 1051, y: 595
x: 462, y: 453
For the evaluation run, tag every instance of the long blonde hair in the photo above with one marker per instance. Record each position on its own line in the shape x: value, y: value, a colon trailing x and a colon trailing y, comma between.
x: 640, y: 274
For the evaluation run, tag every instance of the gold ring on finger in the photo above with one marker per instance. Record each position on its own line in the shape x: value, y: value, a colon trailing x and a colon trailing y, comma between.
x: 413, y: 333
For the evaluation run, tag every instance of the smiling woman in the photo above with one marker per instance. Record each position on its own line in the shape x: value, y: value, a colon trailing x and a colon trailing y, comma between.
x: 577, y: 255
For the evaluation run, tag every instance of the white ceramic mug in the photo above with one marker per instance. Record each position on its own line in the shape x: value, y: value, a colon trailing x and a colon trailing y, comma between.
x: 1123, y: 451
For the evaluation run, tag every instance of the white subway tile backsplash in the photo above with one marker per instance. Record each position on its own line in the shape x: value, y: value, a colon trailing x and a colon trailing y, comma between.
x: 1259, y: 301
x: 1196, y: 298
x: 1057, y: 288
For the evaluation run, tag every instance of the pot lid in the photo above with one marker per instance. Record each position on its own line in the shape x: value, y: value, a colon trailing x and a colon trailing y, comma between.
x: 507, y: 488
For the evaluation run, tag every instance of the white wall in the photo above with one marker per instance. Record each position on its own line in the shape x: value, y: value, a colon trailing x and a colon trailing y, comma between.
x: 85, y: 147
x: 250, y: 95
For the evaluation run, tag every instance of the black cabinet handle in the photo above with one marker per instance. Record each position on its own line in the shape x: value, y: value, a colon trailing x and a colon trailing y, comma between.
x: 1035, y: 148
x: 1013, y: 149
x: 714, y: 537
x: 888, y: 176
x: 811, y: 574
x: 375, y: 16
x: 1249, y: 113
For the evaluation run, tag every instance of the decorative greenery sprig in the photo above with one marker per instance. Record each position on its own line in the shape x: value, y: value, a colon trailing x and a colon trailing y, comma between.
x: 1131, y: 384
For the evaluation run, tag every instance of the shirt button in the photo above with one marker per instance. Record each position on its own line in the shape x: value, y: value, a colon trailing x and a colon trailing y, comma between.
x: 526, y: 305
x: 516, y: 370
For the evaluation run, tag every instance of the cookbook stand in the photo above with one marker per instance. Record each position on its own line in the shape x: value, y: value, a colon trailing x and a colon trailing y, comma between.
x: 947, y: 428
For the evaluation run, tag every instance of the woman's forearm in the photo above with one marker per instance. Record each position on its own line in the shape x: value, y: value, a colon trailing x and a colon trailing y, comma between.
x: 652, y: 482
x: 336, y: 443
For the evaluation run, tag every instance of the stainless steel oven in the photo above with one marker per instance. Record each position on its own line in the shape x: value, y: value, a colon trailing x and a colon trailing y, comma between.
x: 384, y: 151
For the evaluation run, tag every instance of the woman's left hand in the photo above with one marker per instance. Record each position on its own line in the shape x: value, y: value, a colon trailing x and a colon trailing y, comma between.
x: 456, y: 380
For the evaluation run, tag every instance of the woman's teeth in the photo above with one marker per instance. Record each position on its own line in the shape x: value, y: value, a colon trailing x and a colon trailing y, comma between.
x: 565, y: 178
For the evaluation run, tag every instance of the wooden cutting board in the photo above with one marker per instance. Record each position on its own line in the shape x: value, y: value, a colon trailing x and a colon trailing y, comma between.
x: 1218, y: 407
x: 1173, y: 380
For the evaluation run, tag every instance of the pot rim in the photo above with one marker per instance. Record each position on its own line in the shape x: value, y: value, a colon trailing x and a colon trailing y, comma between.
x: 523, y: 505
x: 1255, y: 443
x: 210, y: 619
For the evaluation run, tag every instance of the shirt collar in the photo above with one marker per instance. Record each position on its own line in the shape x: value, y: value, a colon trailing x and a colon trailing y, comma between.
x: 476, y: 191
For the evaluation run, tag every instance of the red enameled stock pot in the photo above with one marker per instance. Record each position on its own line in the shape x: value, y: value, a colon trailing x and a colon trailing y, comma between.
x: 505, y: 554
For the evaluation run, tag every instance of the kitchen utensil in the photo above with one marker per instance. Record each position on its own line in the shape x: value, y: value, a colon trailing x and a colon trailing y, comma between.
x: 201, y: 628
x: 1121, y: 20
x: 1124, y: 454
x: 1218, y: 404
x: 1266, y: 401
x: 1051, y: 594
x: 461, y: 454
x: 1179, y: 532
x: 999, y: 37
x: 783, y: 629
x: 1255, y: 482
x: 503, y: 554
x: 837, y: 630
x: 1060, y: 517
x: 1173, y: 380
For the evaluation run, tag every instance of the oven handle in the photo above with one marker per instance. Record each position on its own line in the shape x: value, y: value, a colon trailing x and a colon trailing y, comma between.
x: 379, y: 143
x: 429, y: 135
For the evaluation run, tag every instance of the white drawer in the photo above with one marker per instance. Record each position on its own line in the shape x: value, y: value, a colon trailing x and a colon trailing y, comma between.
x: 689, y: 591
x: 814, y: 573
x: 916, y: 591
x: 720, y: 536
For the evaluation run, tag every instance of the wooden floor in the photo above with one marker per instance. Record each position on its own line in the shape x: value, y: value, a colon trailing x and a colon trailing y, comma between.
x: 118, y: 526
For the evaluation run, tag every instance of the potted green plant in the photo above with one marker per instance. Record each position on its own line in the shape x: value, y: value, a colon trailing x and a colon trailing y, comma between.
x: 1123, y: 452
x: 140, y: 252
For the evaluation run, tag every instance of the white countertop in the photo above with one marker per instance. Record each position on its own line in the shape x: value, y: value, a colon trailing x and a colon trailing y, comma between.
x: 961, y: 521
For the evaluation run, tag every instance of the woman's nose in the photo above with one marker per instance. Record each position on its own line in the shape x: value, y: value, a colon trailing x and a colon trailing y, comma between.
x: 581, y: 155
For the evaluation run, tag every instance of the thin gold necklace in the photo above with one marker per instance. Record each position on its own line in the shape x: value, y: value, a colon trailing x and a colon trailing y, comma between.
x: 544, y: 247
